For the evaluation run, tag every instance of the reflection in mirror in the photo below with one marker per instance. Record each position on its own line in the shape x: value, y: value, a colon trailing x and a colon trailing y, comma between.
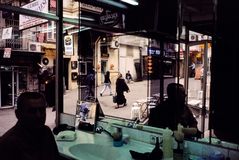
x: 121, y: 55
x: 143, y: 59
x: 85, y: 115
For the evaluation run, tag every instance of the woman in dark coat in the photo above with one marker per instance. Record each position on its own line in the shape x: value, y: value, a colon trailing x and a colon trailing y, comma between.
x: 121, y: 87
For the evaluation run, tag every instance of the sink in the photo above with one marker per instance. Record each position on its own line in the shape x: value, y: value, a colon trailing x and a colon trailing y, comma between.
x: 89, y: 151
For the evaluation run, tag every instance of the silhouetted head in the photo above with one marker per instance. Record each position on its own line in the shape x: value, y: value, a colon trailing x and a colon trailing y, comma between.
x: 31, y: 110
x: 176, y: 92
x: 107, y: 73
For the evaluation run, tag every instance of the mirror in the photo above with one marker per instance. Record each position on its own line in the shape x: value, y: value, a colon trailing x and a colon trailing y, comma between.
x: 119, y: 53
x: 139, y: 55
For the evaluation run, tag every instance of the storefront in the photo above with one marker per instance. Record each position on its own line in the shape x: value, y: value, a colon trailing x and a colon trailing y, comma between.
x: 18, y: 73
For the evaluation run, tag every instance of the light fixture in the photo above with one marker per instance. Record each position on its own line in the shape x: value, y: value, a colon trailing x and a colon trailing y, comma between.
x: 113, y: 3
x: 87, y: 18
x: 132, y: 2
x: 80, y: 30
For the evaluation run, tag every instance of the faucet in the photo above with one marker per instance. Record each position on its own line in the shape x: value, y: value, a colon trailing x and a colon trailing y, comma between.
x: 100, y: 129
x: 133, y: 123
x: 115, y: 136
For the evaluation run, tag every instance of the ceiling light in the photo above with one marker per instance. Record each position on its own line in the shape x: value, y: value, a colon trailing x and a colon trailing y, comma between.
x: 132, y: 2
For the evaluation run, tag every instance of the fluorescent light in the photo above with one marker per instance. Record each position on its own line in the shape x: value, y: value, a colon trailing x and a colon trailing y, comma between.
x: 80, y: 30
x: 87, y: 18
x: 132, y: 2
x: 113, y: 3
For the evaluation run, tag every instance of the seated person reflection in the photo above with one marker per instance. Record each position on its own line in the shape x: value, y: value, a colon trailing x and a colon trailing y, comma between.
x: 173, y: 111
x: 30, y: 138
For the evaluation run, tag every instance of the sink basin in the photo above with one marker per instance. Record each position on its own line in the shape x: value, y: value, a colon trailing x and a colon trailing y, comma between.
x: 95, y: 152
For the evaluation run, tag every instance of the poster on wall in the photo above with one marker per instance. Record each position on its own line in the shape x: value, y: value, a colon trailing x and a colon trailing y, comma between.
x: 68, y: 44
x: 7, y: 52
x: 7, y: 33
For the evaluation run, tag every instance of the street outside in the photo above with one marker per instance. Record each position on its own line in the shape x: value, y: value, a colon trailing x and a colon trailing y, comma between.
x: 138, y: 91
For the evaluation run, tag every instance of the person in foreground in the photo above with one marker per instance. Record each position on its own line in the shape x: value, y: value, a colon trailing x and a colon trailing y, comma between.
x: 174, y: 112
x: 121, y: 87
x: 30, y: 138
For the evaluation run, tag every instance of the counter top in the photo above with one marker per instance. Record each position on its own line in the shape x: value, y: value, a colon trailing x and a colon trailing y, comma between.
x: 105, y: 141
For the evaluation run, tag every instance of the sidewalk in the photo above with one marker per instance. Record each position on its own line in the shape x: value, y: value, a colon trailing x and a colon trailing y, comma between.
x: 138, y: 90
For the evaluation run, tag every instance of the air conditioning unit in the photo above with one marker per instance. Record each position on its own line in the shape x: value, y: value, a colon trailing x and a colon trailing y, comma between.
x: 34, y: 47
x: 47, y: 61
x: 193, y: 37
x: 114, y: 44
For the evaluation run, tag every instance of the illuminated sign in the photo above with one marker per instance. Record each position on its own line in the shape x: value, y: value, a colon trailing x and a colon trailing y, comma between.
x: 154, y: 51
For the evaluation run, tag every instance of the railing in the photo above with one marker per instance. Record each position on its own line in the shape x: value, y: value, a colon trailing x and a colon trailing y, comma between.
x: 15, y: 42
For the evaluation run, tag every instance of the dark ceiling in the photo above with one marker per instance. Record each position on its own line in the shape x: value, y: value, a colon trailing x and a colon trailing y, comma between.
x: 198, y: 15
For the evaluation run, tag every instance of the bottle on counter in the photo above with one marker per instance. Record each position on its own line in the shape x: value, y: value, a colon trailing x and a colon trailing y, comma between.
x: 167, y: 144
x: 117, y: 137
x: 178, y: 151
x: 156, y: 153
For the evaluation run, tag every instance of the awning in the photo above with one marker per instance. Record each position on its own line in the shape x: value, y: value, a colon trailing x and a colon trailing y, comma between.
x: 49, y: 49
x: 48, y: 46
x: 20, y: 57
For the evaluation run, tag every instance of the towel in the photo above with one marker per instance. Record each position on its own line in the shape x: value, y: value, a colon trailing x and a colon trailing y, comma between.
x: 66, y: 136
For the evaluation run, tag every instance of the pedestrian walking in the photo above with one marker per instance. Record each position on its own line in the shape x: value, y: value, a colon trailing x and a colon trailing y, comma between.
x: 192, y: 72
x: 128, y: 77
x: 121, y: 87
x: 107, y: 83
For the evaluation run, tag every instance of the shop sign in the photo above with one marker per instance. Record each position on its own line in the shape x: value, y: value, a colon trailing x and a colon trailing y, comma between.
x: 90, y: 8
x: 105, y: 55
x: 154, y: 51
x: 7, y: 52
x: 7, y: 33
x: 27, y: 21
x: 68, y: 44
x: 109, y: 18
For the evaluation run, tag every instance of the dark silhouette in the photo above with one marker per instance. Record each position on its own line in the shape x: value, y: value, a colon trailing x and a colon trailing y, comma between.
x: 128, y: 77
x: 30, y: 138
x: 50, y: 91
x: 121, y: 87
x: 173, y: 110
x: 90, y: 82
x: 107, y: 83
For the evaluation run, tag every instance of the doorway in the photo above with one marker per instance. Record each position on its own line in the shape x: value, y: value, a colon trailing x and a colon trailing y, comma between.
x: 6, y: 90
